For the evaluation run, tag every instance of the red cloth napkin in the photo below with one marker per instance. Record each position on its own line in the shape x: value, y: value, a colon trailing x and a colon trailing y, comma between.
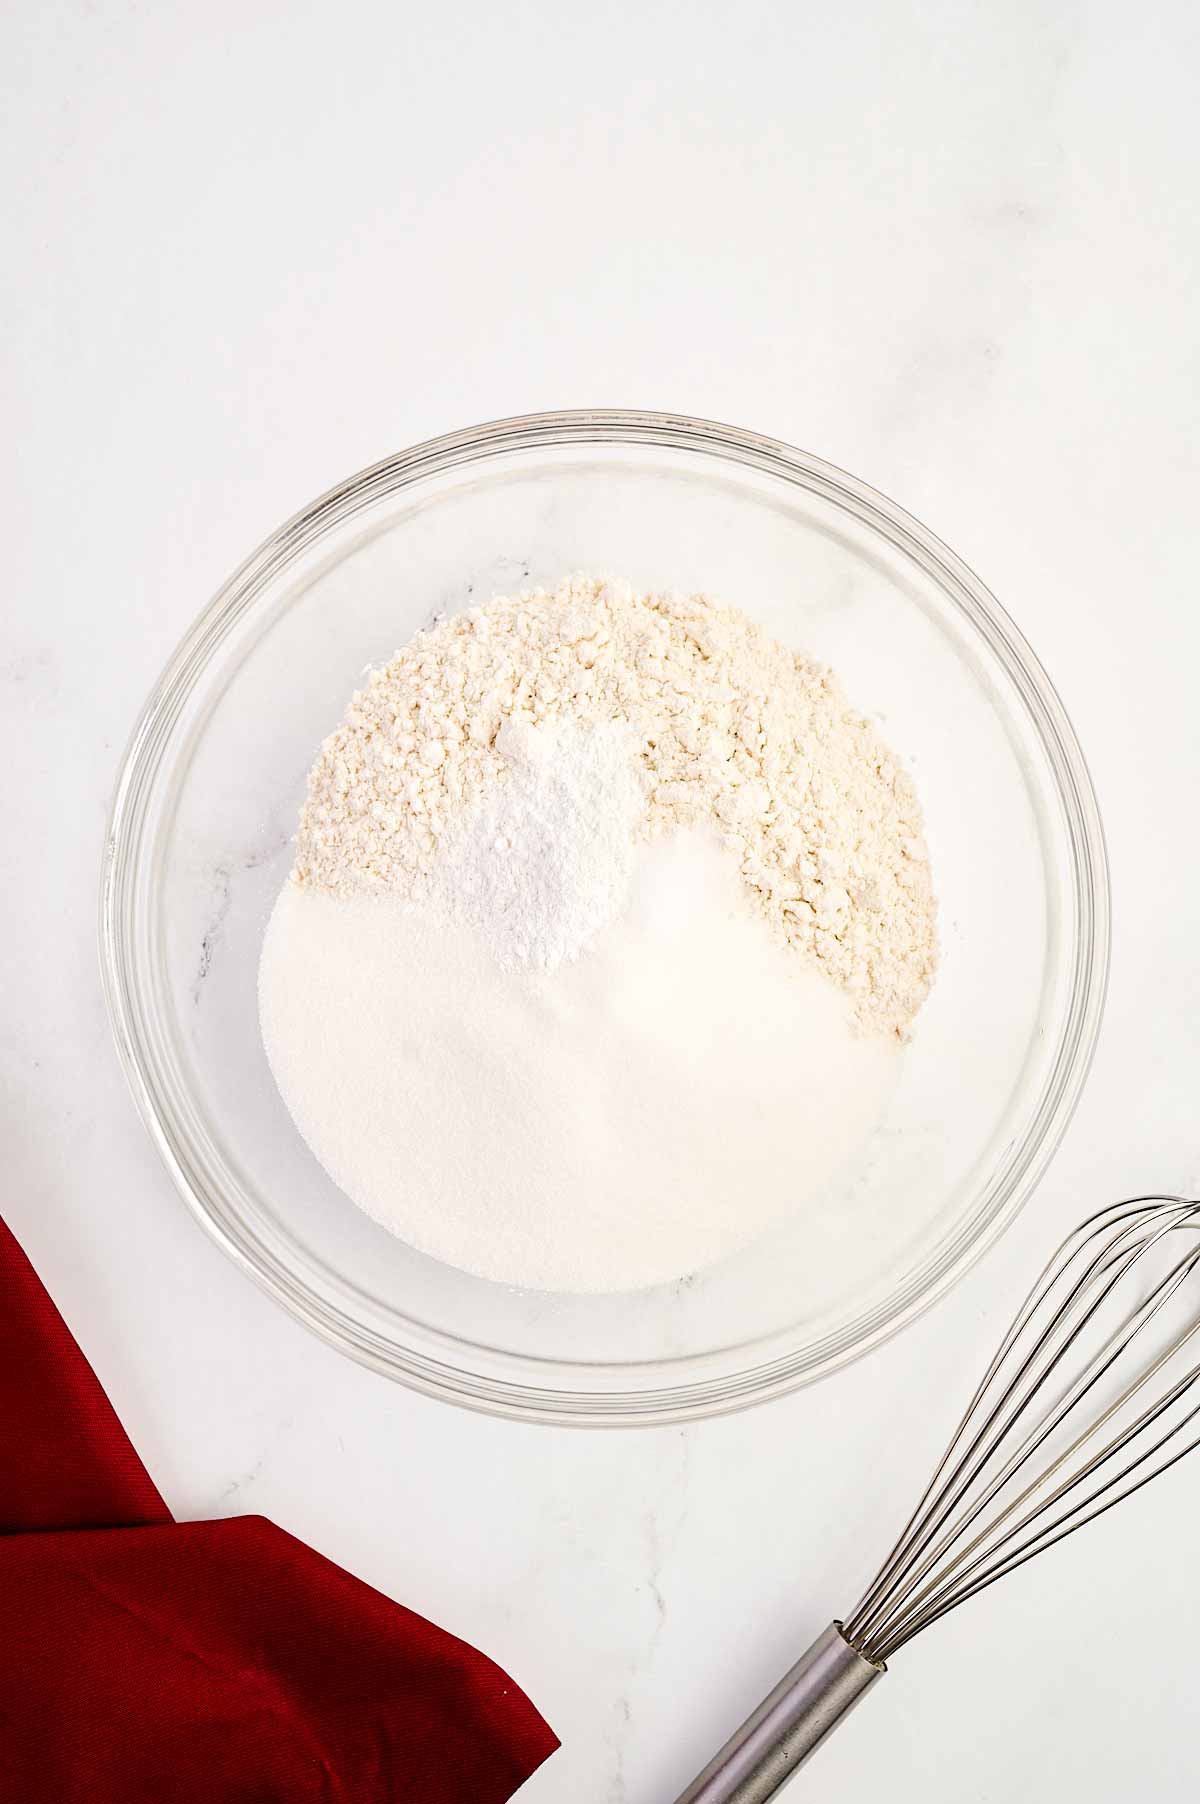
x: 145, y: 1661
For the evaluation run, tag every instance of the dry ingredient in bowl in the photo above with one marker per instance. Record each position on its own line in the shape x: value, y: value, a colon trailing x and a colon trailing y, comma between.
x: 729, y: 728
x: 607, y: 920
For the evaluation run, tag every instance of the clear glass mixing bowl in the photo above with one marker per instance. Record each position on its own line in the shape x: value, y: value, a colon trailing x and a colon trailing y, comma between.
x: 208, y: 797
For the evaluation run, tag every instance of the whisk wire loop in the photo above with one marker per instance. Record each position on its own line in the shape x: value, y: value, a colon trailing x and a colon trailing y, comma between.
x: 984, y: 1511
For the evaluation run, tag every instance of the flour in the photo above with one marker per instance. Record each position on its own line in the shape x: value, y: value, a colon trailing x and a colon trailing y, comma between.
x: 728, y: 729
x: 645, y: 1110
x: 545, y: 862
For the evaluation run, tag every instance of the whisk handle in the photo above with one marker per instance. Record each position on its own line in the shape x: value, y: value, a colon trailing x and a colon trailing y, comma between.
x: 780, y: 1735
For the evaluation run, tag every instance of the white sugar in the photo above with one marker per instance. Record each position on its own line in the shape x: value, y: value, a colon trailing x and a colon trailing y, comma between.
x: 638, y: 1113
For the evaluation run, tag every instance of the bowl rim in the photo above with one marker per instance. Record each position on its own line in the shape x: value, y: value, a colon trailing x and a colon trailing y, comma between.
x: 148, y: 744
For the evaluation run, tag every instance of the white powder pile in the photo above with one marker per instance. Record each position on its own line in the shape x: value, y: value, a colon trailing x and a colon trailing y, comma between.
x: 545, y: 861
x: 645, y: 1110
x: 607, y: 920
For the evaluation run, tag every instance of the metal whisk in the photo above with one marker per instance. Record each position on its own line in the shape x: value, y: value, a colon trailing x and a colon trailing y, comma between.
x: 1086, y: 1401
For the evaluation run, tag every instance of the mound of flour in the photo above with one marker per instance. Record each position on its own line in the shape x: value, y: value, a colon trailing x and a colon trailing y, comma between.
x: 727, y: 729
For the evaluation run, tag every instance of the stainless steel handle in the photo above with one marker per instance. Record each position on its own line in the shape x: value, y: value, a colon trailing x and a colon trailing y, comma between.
x: 778, y: 1738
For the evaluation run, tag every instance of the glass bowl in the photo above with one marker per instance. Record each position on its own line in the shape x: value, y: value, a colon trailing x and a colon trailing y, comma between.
x: 208, y: 798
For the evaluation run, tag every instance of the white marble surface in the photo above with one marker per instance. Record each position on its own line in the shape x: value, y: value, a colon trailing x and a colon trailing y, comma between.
x: 955, y: 249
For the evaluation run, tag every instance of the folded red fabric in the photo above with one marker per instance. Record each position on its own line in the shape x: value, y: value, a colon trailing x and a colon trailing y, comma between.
x: 145, y: 1661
